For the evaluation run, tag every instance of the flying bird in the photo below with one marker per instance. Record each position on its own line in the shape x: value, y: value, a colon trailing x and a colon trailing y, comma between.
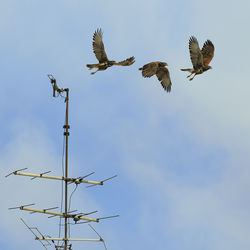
x: 158, y: 69
x: 104, y: 62
x: 199, y: 58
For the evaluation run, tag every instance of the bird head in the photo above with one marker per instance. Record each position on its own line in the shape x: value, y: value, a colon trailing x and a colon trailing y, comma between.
x: 163, y: 64
x: 207, y: 67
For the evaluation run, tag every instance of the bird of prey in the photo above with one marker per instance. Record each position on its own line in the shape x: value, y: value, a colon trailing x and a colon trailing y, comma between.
x: 200, y: 58
x: 158, y: 69
x: 104, y: 62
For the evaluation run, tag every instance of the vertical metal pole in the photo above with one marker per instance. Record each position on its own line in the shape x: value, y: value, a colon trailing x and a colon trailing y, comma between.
x: 66, y: 134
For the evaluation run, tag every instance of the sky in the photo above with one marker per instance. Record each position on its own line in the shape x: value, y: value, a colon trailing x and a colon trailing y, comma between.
x: 181, y: 158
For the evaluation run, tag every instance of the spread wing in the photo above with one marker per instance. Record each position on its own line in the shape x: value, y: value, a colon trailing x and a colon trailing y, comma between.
x: 149, y: 69
x: 164, y: 77
x: 98, y: 46
x: 126, y: 62
x: 207, y: 52
x: 195, y: 53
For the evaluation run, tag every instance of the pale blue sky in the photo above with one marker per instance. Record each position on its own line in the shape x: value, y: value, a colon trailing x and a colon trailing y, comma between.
x: 182, y: 158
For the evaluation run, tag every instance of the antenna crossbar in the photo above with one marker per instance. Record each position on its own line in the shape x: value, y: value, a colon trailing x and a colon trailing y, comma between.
x: 45, y: 211
x: 68, y: 239
x: 77, y: 181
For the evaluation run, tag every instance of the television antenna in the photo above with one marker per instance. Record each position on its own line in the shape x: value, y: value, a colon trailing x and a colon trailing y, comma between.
x: 77, y: 218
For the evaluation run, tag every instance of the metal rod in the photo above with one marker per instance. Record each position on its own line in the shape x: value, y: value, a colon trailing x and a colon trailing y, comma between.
x: 22, y: 206
x: 57, y: 178
x: 36, y: 238
x: 68, y: 239
x: 109, y: 178
x: 66, y: 134
x: 15, y: 171
x: 41, y: 174
x: 108, y: 217
x: 44, y: 211
x: 101, y: 239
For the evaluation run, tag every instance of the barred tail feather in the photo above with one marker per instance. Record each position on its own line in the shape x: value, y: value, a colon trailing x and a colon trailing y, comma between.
x: 189, y: 70
x: 169, y: 87
x: 91, y: 66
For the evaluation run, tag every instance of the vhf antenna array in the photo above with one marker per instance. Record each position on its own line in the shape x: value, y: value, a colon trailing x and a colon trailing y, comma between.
x: 78, y: 218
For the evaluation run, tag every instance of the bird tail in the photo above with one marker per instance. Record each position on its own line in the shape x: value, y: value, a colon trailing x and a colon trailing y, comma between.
x: 169, y: 87
x: 91, y: 66
x: 189, y: 70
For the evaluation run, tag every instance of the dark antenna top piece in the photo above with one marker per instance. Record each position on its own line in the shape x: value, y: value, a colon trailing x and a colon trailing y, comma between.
x: 55, y: 86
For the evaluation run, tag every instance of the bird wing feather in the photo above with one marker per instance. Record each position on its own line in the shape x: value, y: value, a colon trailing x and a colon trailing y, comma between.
x: 98, y: 46
x: 195, y: 53
x: 126, y: 62
x: 149, y: 69
x: 207, y: 52
x: 164, y: 78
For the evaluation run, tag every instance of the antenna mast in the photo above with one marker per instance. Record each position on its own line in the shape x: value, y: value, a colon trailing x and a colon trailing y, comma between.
x: 66, y: 134
x: 67, y: 180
